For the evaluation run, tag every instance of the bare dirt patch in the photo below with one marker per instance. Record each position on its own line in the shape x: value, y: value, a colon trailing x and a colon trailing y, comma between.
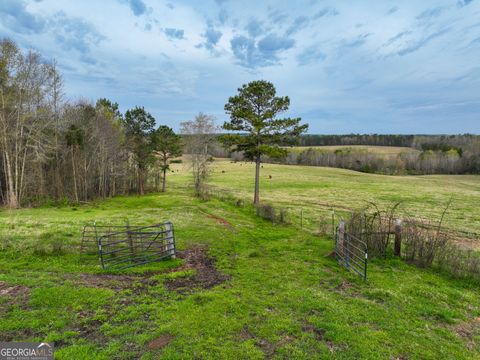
x: 206, y: 275
x: 319, y: 333
x: 344, y: 287
x: 320, y: 336
x: 245, y: 334
x: 160, y: 342
x: 269, y: 349
x: 12, y: 290
x: 13, y: 295
x: 468, y: 330
x: 114, y: 282
x: 220, y: 220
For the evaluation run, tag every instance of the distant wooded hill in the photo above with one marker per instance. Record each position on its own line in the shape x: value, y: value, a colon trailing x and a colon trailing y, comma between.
x: 421, y: 142
x: 435, y: 154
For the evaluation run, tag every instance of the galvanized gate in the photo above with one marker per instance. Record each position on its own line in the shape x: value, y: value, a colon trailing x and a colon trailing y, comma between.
x: 120, y: 247
x: 351, y: 252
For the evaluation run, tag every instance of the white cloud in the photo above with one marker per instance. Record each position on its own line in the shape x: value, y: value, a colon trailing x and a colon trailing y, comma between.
x: 365, y: 64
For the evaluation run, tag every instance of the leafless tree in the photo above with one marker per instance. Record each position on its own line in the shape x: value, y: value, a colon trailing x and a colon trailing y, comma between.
x: 199, y: 138
x: 25, y: 116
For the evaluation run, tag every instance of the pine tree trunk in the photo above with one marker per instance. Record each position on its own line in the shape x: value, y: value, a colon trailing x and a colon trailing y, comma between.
x: 164, y: 179
x: 256, y: 198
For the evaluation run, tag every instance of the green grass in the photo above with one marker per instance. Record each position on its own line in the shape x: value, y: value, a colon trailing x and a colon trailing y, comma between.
x: 380, y: 150
x: 319, y: 191
x: 286, y: 298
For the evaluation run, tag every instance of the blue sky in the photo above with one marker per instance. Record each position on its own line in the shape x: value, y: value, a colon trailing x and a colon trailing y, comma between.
x: 348, y: 66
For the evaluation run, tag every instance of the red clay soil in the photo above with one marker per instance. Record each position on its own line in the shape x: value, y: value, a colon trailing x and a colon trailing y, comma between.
x: 206, y: 275
x: 160, y: 342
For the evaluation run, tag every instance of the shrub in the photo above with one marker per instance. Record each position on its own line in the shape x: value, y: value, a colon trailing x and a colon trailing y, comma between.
x: 460, y: 263
x: 268, y: 212
x: 422, y: 244
x: 374, y: 226
x: 265, y: 211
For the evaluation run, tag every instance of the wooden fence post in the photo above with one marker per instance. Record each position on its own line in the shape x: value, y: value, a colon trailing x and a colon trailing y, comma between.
x: 398, y: 238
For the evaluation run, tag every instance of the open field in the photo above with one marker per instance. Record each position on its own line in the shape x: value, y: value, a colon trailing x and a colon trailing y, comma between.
x: 277, y: 293
x: 318, y: 191
x: 380, y: 150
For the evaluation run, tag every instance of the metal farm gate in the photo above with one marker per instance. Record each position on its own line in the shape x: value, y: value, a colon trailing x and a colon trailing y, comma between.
x: 351, y: 252
x: 120, y: 247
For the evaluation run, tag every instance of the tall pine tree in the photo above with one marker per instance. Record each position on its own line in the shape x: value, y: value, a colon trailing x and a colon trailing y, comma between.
x: 253, y: 116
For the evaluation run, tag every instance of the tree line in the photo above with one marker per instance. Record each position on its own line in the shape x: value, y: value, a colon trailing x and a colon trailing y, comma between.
x: 421, y: 142
x: 52, y: 149
x: 357, y: 139
x: 425, y: 162
x: 437, y: 154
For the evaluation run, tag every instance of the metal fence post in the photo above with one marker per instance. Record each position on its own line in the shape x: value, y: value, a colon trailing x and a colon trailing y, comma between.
x: 347, y: 251
x: 170, y: 237
x: 365, y: 266
x: 130, y: 240
x: 341, y: 239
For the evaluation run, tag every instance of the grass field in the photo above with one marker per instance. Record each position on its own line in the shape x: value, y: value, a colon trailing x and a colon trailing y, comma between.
x: 318, y: 191
x: 275, y: 292
x: 380, y: 150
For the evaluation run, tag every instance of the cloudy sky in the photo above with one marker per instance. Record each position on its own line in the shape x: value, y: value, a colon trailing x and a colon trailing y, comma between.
x: 348, y: 66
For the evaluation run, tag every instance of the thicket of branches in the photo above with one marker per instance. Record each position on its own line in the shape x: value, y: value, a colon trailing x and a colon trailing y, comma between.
x: 60, y: 151
x: 451, y: 161
x: 437, y: 154
x: 199, y: 138
x: 424, y: 243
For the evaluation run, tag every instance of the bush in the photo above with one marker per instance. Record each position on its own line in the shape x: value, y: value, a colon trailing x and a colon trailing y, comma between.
x: 374, y: 226
x: 49, y: 243
x: 265, y: 211
x: 422, y: 244
x: 460, y: 263
x: 268, y: 212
